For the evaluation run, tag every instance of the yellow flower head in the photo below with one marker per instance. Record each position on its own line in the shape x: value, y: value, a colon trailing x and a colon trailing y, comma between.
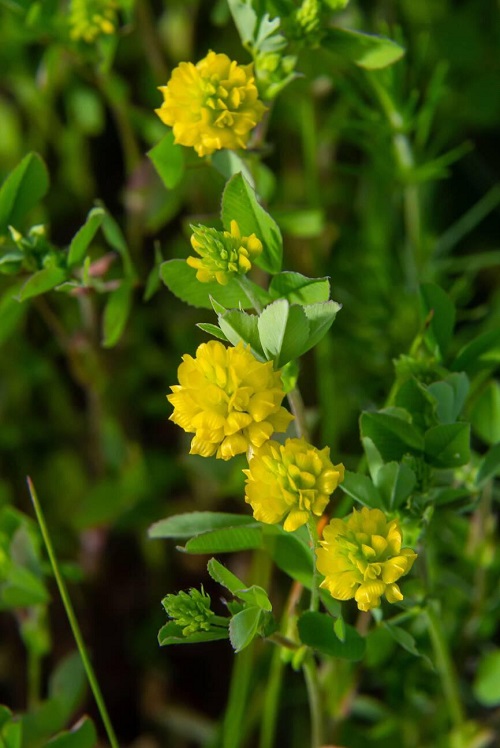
x: 211, y: 105
x: 222, y: 254
x: 361, y: 557
x: 228, y: 399
x: 291, y: 480
x: 89, y: 19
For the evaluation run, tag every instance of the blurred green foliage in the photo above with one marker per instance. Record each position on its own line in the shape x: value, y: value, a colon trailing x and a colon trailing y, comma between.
x: 382, y: 179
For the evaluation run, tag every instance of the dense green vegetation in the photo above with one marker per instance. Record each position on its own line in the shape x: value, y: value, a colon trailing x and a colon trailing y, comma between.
x: 378, y: 161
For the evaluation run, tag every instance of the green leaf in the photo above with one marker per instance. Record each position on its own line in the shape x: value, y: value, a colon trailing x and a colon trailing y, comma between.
x: 245, y: 19
x: 194, y: 523
x: 339, y: 628
x: 283, y: 331
x: 82, y: 735
x: 22, y: 190
x: 361, y: 489
x: 21, y: 588
x: 482, y: 352
x: 489, y: 466
x: 181, y: 280
x: 365, y: 50
x: 223, y: 576
x: 83, y: 237
x: 171, y: 633
x: 416, y: 399
x: 228, y: 163
x: 239, y: 204
x: 238, y: 326
x: 211, y: 329
x: 373, y: 456
x: 450, y: 396
x: 395, y: 481
x: 226, y: 540
x: 485, y: 416
x: 289, y: 553
x: 321, y: 317
x: 448, y: 445
x: 116, y: 240
x: 67, y: 685
x: 317, y: 631
x: 298, y: 289
x: 11, y: 734
x: 404, y: 639
x: 168, y: 160
x: 440, y: 312
x: 244, y: 627
x: 116, y: 313
x: 11, y: 312
x: 41, y: 282
x: 255, y: 596
x: 487, y: 681
x: 392, y: 436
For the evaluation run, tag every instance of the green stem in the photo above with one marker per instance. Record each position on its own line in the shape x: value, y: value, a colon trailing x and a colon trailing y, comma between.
x: 298, y: 410
x: 405, y: 161
x: 313, y: 694
x: 94, y: 685
x: 445, y: 668
x: 313, y: 534
x: 247, y: 289
x: 234, y: 725
x: 271, y: 702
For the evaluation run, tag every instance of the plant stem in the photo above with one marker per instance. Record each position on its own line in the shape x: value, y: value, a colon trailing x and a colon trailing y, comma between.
x: 271, y: 702
x: 313, y: 534
x: 247, y: 289
x: 298, y: 410
x: 312, y: 685
x: 234, y: 725
x: 94, y: 685
x: 445, y: 668
x: 405, y: 161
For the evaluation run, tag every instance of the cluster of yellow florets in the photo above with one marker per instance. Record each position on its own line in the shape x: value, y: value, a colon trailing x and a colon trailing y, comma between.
x: 211, y: 105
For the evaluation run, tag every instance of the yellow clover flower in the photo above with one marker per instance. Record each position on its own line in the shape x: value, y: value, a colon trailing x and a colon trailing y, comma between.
x: 228, y: 399
x: 89, y: 19
x: 222, y: 254
x: 211, y: 105
x: 361, y: 557
x: 291, y: 480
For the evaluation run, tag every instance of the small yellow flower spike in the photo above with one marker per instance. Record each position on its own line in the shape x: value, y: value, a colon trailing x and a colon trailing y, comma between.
x: 228, y: 399
x: 222, y: 254
x: 89, y: 19
x: 211, y: 105
x: 361, y: 557
x: 293, y: 480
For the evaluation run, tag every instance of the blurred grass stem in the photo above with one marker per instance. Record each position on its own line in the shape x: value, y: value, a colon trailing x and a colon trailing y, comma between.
x: 75, y: 628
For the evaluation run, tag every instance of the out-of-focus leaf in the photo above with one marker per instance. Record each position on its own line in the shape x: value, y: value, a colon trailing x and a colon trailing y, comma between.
x: 485, y: 416
x: 41, y: 282
x: 194, y: 523
x: 11, y: 312
x: 440, y: 311
x: 289, y: 553
x: 365, y: 50
x: 362, y: 489
x: 393, y: 437
x: 482, y: 352
x: 489, y: 466
x: 83, y: 237
x: 22, y: 190
x: 298, y: 289
x: 116, y: 314
x: 168, y: 160
x: 317, y: 631
x: 487, y: 681
x: 82, y: 735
